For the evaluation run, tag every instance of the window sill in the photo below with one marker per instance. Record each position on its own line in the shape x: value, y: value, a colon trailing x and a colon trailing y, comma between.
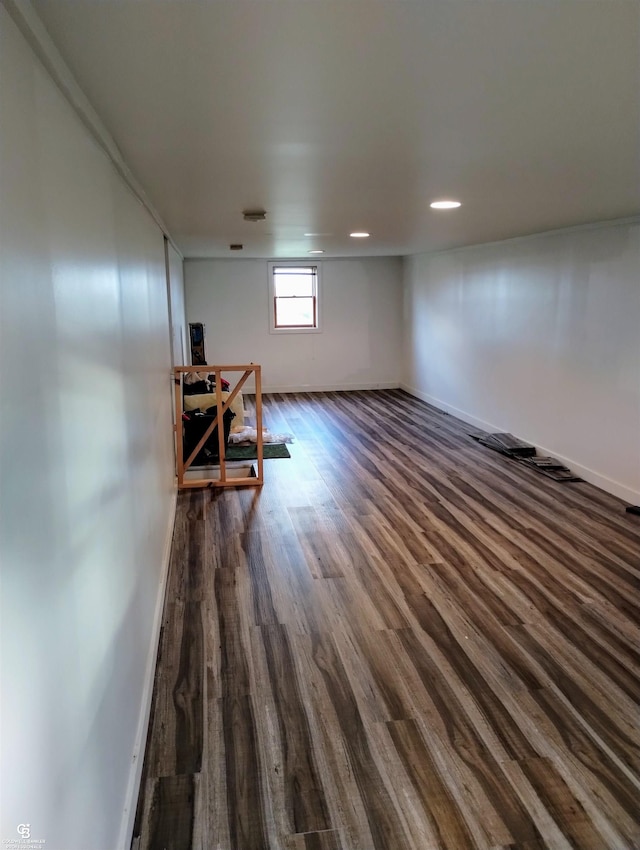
x: 295, y: 330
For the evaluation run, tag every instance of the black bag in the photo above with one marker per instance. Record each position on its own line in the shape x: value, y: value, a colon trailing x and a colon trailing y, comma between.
x: 194, y: 429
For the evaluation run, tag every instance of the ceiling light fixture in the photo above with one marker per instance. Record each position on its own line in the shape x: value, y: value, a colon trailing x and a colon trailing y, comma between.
x: 254, y: 215
x: 445, y: 205
x: 316, y: 251
x: 317, y: 234
x: 359, y: 234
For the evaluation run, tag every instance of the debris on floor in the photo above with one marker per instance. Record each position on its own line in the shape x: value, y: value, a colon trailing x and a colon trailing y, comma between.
x: 507, y: 444
x: 517, y: 449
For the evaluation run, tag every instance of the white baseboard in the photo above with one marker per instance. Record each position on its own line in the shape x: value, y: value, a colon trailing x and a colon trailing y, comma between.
x: 449, y: 408
x: 332, y: 388
x: 135, y: 774
x: 595, y: 478
x: 590, y: 475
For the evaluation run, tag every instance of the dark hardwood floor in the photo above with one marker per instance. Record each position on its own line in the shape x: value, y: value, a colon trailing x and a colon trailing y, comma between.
x: 405, y: 640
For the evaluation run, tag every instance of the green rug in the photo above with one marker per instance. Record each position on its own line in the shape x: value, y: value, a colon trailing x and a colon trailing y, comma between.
x: 270, y: 450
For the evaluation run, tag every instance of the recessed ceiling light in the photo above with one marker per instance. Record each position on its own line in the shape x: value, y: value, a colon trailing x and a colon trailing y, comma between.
x: 359, y: 234
x: 445, y: 205
x: 317, y: 251
x: 317, y: 234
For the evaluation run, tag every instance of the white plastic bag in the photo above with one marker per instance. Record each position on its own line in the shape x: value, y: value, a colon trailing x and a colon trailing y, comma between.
x: 250, y: 435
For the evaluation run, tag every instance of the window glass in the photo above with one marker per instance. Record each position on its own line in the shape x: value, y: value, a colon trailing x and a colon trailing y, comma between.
x: 294, y: 312
x: 291, y: 282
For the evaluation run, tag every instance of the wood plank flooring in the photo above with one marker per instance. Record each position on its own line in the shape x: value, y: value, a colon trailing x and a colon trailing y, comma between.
x: 403, y: 642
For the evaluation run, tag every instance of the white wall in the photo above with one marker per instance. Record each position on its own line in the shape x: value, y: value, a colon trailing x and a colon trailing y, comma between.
x: 86, y: 465
x: 540, y: 337
x: 360, y: 343
x: 179, y: 340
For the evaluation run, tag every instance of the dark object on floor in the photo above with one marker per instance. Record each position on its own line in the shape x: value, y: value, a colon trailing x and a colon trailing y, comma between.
x: 271, y: 450
x: 196, y: 336
x: 514, y: 448
x: 560, y: 473
x: 507, y: 444
x: 552, y: 468
x: 633, y: 509
x: 194, y: 428
x: 542, y: 462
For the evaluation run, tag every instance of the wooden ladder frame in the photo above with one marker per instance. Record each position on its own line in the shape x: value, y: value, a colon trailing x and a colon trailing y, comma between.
x: 221, y: 407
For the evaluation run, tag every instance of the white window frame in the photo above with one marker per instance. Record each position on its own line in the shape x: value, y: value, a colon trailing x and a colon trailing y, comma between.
x: 272, y: 295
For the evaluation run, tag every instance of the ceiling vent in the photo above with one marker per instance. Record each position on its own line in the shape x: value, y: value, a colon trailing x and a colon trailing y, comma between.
x: 254, y: 215
x: 236, y: 246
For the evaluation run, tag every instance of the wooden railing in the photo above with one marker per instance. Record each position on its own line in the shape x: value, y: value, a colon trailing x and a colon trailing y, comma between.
x: 222, y: 477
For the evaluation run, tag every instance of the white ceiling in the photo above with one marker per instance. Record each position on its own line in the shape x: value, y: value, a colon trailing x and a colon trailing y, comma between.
x: 339, y: 115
